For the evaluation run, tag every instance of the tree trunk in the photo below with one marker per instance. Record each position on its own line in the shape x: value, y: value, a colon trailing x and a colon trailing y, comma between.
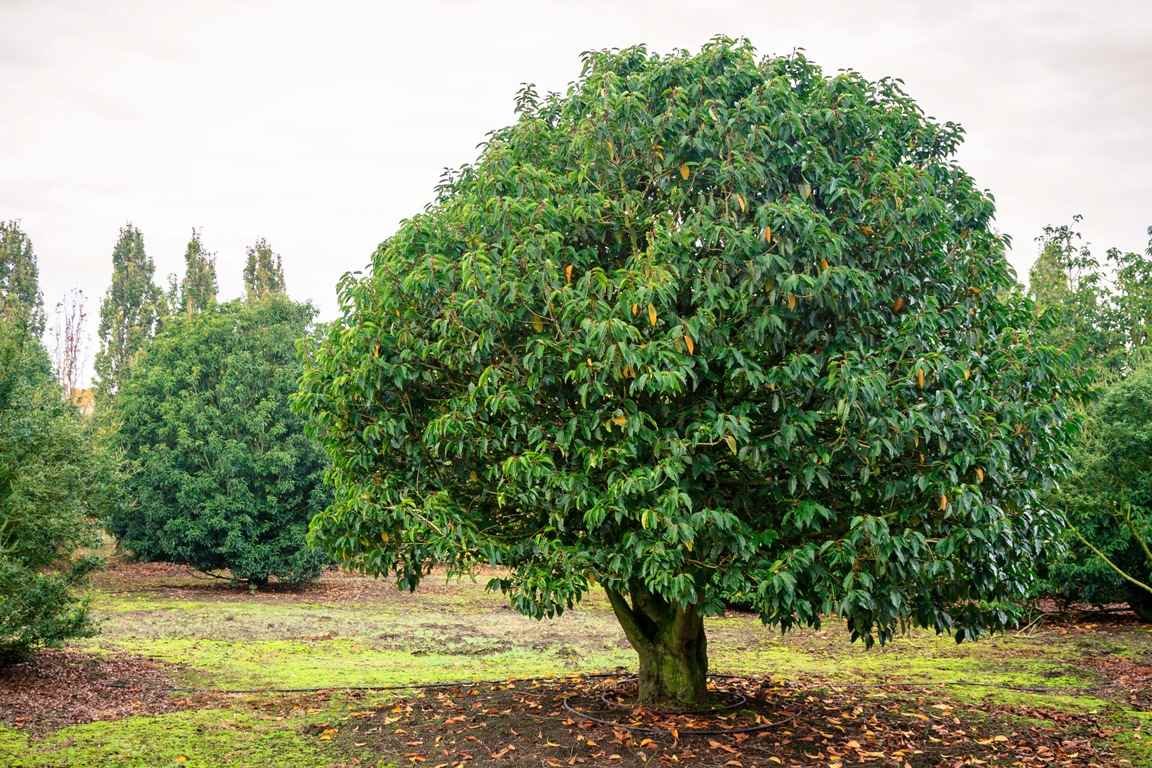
x: 672, y: 647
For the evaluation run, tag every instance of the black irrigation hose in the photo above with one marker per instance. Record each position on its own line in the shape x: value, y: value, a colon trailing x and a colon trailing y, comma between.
x: 678, y: 733
x: 602, y: 675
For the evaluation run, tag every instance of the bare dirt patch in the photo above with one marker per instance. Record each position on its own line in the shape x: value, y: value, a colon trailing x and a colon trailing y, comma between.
x: 527, y: 724
x: 57, y: 688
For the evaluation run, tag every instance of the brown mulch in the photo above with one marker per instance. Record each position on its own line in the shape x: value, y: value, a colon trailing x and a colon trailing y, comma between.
x: 57, y: 688
x: 522, y: 725
x: 334, y: 585
x: 1125, y: 678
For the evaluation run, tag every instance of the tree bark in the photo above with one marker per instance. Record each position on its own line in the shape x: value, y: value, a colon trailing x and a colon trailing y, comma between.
x: 672, y: 647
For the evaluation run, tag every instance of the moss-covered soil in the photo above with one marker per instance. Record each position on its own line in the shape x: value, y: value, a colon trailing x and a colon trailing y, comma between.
x: 1085, y: 684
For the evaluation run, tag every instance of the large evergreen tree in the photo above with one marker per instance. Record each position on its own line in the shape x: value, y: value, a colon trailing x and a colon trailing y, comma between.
x: 705, y: 325
x: 263, y: 272
x: 20, y: 298
x: 198, y: 288
x: 130, y: 312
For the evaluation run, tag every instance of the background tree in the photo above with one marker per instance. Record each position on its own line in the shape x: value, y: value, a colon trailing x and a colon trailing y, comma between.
x: 1109, y: 499
x: 1100, y: 314
x: 198, y: 289
x: 69, y: 357
x: 263, y: 272
x: 20, y: 298
x: 224, y: 476
x: 131, y: 309
x: 56, y: 480
x: 706, y: 325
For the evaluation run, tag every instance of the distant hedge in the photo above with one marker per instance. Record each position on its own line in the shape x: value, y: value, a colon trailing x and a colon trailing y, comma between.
x: 223, y: 476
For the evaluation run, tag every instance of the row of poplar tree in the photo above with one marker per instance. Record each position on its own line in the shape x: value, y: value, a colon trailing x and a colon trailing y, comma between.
x: 192, y: 455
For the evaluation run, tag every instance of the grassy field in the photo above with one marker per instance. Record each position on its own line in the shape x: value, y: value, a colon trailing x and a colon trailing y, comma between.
x: 1063, y: 693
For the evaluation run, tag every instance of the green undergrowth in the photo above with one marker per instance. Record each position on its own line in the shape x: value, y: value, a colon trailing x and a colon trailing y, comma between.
x: 246, y: 734
x: 331, y: 663
x: 231, y: 641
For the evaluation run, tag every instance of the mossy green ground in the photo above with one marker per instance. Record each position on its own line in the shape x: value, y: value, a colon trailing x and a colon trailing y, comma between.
x: 353, y: 632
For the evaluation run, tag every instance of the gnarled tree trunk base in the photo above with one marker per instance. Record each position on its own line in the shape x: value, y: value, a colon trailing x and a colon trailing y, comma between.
x: 672, y: 647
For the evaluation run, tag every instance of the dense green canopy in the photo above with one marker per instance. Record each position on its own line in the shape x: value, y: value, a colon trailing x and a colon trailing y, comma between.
x: 706, y: 325
x: 224, y: 477
x: 55, y: 482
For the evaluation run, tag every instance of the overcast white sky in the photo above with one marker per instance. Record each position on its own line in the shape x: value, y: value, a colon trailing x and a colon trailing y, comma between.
x: 321, y: 125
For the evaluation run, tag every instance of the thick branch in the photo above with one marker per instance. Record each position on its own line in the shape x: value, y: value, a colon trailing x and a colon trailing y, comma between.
x: 627, y: 618
x: 1123, y: 574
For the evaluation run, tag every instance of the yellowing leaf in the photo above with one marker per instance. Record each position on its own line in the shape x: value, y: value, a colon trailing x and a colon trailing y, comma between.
x: 742, y: 203
x: 629, y: 372
x: 791, y: 301
x: 652, y: 314
x: 568, y: 273
x: 685, y: 171
x: 767, y: 234
x: 619, y: 419
x: 967, y: 374
x: 943, y: 502
x: 920, y: 378
x: 898, y: 305
x: 689, y: 343
x: 635, y: 310
x: 537, y: 323
x: 979, y: 475
x: 824, y: 264
x: 181, y: 758
x: 805, y: 190
x: 731, y: 440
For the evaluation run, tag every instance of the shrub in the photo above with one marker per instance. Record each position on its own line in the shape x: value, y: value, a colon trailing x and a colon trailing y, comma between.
x: 55, y: 481
x: 1109, y: 501
x: 223, y: 474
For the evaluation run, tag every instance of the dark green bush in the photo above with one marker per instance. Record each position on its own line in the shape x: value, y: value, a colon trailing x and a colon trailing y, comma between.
x: 223, y: 476
x: 55, y: 481
x: 1109, y: 501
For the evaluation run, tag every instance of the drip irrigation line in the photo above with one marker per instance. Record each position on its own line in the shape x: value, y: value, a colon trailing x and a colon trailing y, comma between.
x: 602, y: 675
x: 678, y: 732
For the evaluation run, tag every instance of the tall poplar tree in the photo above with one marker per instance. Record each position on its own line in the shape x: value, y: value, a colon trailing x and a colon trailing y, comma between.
x: 263, y: 272
x: 20, y: 297
x: 131, y: 309
x: 198, y: 289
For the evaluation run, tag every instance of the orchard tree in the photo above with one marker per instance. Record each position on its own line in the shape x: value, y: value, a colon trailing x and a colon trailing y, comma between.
x: 263, y: 271
x: 707, y: 325
x: 198, y: 289
x: 1109, y: 499
x: 20, y: 298
x: 1101, y: 313
x: 130, y: 312
x: 224, y: 476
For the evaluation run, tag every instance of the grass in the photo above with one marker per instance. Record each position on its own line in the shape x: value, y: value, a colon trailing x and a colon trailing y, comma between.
x: 373, y: 636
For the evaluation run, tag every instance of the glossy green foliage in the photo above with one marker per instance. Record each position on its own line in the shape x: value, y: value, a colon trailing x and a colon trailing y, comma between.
x: 54, y: 481
x: 224, y: 477
x: 705, y: 325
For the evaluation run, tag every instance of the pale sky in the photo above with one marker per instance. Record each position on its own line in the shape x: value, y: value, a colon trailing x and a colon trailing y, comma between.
x: 321, y: 125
